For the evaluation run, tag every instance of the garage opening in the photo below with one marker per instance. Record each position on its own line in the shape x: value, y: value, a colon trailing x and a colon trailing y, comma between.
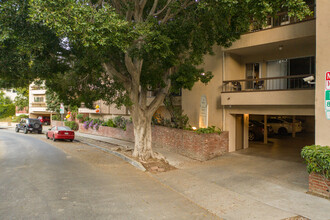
x: 284, y: 137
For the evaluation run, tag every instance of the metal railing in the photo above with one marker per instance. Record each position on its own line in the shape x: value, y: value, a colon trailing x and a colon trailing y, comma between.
x: 268, y: 84
x: 281, y: 19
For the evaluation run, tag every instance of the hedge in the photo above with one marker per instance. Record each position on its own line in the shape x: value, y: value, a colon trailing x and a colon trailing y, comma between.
x: 72, y: 124
x: 317, y: 159
x: 7, y: 110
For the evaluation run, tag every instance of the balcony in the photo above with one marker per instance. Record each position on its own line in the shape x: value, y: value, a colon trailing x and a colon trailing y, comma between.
x: 269, y: 83
x: 281, y: 19
x: 38, y: 104
x: 284, y: 90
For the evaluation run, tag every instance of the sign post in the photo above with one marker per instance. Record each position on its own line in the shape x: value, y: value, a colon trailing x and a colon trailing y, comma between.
x: 62, y: 111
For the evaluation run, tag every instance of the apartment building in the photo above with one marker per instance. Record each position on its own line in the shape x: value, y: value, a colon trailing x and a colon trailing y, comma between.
x: 110, y: 111
x: 268, y: 72
x: 37, y: 101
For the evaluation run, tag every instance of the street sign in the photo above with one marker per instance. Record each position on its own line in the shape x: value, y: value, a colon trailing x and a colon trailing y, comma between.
x: 327, y: 81
x: 327, y: 113
x: 327, y: 105
x: 62, y: 109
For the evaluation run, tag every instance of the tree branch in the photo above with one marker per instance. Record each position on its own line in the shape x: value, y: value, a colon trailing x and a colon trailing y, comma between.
x: 153, y: 9
x: 161, y: 94
x: 161, y: 10
x: 110, y: 70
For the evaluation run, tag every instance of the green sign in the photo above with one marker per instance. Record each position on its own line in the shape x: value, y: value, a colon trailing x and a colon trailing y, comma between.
x: 327, y: 95
x: 327, y: 104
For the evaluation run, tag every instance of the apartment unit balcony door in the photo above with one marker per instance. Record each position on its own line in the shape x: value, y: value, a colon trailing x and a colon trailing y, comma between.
x: 253, y: 71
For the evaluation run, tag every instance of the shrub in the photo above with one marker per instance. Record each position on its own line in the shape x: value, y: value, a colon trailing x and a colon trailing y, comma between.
x: 96, y: 126
x: 85, y: 125
x: 120, y: 122
x: 56, y: 117
x: 80, y: 116
x: 91, y: 123
x: 208, y: 130
x: 7, y: 110
x: 318, y: 159
x: 109, y: 123
x: 19, y: 118
x: 72, y: 124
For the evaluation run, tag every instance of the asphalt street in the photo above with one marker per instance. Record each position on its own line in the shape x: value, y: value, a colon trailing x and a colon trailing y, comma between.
x: 40, y: 181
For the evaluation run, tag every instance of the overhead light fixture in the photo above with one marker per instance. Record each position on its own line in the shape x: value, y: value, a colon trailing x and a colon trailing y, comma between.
x: 280, y: 47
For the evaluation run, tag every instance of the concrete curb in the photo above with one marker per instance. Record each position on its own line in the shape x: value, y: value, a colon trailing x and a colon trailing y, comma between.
x: 135, y: 163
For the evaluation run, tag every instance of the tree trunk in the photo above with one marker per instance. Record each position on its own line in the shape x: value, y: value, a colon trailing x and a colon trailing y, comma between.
x: 142, y: 134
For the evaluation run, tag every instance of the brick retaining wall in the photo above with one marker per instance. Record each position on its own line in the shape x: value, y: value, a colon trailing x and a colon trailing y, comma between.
x: 319, y: 185
x: 197, y: 146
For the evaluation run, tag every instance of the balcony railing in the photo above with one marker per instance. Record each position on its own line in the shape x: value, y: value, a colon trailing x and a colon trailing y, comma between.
x: 268, y: 84
x: 281, y: 19
x: 38, y: 104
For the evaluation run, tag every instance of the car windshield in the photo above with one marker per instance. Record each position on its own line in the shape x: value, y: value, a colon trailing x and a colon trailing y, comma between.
x: 33, y: 121
x: 64, y: 128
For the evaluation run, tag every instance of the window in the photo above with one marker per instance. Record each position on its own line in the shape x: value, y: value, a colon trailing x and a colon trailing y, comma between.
x: 38, y: 99
x: 290, y: 67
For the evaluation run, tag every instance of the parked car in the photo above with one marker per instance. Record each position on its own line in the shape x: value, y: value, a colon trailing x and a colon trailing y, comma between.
x: 284, y: 126
x: 60, y: 132
x: 29, y: 125
x: 44, y: 120
x: 256, y: 130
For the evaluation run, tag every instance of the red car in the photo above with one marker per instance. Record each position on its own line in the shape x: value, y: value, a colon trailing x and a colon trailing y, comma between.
x: 60, y: 132
x: 44, y: 120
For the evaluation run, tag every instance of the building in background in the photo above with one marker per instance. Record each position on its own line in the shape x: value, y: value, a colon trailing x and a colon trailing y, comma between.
x: 37, y: 101
x: 111, y: 111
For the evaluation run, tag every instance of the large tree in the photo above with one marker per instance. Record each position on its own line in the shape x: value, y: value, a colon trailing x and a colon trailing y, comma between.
x: 117, y: 50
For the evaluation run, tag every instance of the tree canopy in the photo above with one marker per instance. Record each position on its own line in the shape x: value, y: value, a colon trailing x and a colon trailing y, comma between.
x: 117, y: 50
x: 22, y: 98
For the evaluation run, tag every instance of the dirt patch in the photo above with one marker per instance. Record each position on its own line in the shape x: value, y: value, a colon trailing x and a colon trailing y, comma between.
x: 152, y: 165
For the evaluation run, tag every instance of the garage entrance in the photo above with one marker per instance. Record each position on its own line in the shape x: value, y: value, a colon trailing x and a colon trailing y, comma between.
x: 284, y: 141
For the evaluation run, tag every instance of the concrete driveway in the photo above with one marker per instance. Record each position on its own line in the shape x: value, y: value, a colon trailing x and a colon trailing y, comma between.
x: 262, y: 182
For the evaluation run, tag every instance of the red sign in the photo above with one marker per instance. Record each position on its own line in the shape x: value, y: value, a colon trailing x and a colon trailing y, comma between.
x: 327, y: 75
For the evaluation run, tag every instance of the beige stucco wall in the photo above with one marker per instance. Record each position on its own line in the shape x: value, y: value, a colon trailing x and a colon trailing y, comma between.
x: 191, y: 99
x: 322, y: 125
x: 278, y: 34
x: 293, y: 97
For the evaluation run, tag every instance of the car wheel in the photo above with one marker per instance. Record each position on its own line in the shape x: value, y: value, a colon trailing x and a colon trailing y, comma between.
x: 71, y: 140
x: 17, y: 129
x: 54, y: 138
x: 47, y: 135
x: 282, y: 131
x: 25, y: 130
x: 252, y: 136
x: 39, y: 132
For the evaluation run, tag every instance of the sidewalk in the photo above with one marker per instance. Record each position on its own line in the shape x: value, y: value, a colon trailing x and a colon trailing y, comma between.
x: 174, y: 159
x: 238, y: 186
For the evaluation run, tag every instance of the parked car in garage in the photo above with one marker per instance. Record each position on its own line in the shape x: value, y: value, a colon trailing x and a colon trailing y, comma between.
x: 44, y: 120
x: 29, y: 125
x: 60, y: 133
x: 284, y: 126
x: 256, y: 130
